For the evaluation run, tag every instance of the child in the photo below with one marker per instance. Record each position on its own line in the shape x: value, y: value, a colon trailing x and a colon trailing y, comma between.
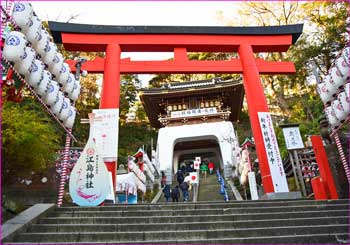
x: 204, y: 169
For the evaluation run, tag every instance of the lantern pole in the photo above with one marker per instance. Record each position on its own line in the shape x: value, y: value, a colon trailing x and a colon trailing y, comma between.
x: 67, y: 144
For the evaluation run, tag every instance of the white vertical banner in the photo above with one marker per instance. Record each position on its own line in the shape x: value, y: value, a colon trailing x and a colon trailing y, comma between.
x: 278, y: 176
x: 105, y: 132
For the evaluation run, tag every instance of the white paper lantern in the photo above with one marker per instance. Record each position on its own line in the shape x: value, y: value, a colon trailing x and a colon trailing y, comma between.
x: 331, y: 84
x: 345, y: 102
x: 23, y: 65
x: 56, y: 65
x: 339, y: 111
x: 69, y: 122
x: 76, y: 91
x: 36, y: 73
x: 56, y: 107
x: 64, y: 74
x: 337, y: 77
x: 343, y: 67
x: 42, y: 45
x: 41, y: 87
x: 346, y: 55
x: 64, y: 113
x: 33, y: 32
x: 324, y: 93
x: 69, y: 85
x: 46, y: 35
x: 14, y: 47
x: 347, y: 90
x: 332, y: 119
x: 49, y: 53
x: 22, y: 13
x: 51, y: 93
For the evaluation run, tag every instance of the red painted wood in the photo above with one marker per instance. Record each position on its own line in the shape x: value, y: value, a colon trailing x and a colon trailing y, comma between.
x: 167, y: 42
x: 256, y: 103
x: 323, y: 165
x: 111, y: 90
x: 180, y: 65
x: 111, y: 78
x: 319, y: 188
x: 180, y: 54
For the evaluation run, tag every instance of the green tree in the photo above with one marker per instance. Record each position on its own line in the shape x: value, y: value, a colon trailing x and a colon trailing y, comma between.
x: 128, y: 94
x: 30, y: 139
x: 323, y: 37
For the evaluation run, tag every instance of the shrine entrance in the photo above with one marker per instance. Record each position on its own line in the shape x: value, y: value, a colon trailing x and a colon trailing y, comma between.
x: 246, y: 41
x: 206, y: 149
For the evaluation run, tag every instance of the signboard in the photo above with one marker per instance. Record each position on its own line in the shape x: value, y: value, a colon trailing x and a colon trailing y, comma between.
x: 252, y: 186
x: 194, y: 177
x: 293, y: 138
x: 278, y: 176
x: 193, y: 112
x: 105, y: 132
x: 88, y: 183
x: 198, y: 159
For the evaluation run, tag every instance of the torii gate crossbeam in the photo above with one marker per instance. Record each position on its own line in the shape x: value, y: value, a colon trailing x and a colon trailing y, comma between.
x: 245, y: 40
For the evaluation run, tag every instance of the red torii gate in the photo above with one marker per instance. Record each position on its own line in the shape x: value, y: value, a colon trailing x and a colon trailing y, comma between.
x: 245, y: 40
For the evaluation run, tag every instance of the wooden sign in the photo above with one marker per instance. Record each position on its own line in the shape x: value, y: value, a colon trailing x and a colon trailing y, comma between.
x: 293, y: 138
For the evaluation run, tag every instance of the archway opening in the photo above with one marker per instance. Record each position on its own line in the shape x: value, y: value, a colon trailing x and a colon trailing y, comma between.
x: 186, y: 150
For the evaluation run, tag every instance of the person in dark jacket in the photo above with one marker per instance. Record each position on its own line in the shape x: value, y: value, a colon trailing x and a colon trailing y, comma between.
x: 184, y: 189
x: 167, y: 193
x: 180, y: 176
x: 175, y: 194
x: 189, y: 168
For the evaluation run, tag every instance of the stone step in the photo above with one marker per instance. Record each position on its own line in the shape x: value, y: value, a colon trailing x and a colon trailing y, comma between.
x: 147, y: 213
x: 209, y: 189
x: 193, y: 218
x: 340, y: 238
x: 71, y: 237
x: 206, y: 205
x: 189, y: 226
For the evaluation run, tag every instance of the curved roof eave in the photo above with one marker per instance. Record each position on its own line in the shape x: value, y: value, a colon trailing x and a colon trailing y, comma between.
x: 59, y: 27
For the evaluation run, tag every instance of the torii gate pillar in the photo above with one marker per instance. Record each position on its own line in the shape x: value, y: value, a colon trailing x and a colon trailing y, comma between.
x: 111, y: 90
x: 256, y: 103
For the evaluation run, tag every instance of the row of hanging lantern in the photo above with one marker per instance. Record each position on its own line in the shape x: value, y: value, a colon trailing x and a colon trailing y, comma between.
x: 334, y: 90
x: 38, y: 60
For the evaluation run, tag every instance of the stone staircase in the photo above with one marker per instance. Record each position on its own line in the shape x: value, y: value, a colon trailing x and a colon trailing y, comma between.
x: 278, y: 221
x: 209, y: 189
